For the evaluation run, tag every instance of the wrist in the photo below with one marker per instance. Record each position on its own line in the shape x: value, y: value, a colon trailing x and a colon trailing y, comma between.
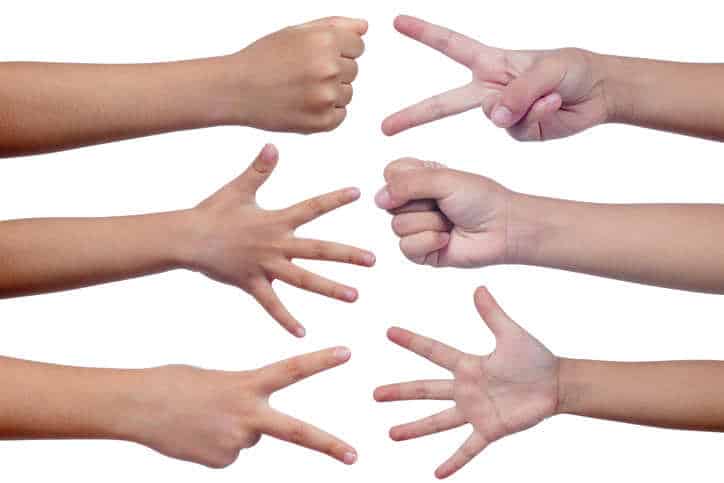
x: 571, y: 385
x: 611, y: 73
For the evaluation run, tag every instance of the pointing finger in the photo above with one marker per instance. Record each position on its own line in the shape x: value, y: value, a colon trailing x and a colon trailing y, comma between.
x: 458, y: 47
x: 285, y: 373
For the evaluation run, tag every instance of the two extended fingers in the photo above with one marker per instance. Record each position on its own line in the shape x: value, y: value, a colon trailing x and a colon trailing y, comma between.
x: 278, y: 425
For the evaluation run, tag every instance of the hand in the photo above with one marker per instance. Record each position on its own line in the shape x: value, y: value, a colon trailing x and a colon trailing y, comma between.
x: 208, y: 417
x: 446, y: 217
x: 241, y: 244
x: 300, y: 78
x: 535, y: 95
x: 510, y: 390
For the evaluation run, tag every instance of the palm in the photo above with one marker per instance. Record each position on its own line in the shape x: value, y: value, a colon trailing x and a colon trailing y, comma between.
x: 504, y: 393
x: 507, y: 391
x: 576, y: 102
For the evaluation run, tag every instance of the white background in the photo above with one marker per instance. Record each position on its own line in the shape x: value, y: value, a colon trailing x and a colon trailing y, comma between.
x: 182, y: 317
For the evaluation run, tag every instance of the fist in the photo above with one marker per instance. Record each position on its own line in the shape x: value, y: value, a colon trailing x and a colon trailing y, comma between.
x: 446, y: 217
x: 299, y: 79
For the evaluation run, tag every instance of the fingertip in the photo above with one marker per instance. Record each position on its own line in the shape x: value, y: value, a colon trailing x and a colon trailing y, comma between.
x: 364, y: 26
x: 378, y: 394
x: 299, y: 332
x: 349, y: 294
x: 393, y: 333
x: 440, y: 474
x: 352, y: 194
x: 350, y: 457
x: 394, y: 435
x: 342, y: 354
x: 383, y: 199
x: 269, y: 153
x: 388, y: 127
x: 502, y: 116
x: 368, y: 259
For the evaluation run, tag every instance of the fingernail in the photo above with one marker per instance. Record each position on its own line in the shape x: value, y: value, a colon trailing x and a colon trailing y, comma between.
x: 342, y: 353
x: 350, y: 457
x: 382, y: 199
x: 352, y: 193
x: 300, y: 332
x: 369, y: 259
x: 267, y: 153
x: 502, y: 117
x: 349, y: 294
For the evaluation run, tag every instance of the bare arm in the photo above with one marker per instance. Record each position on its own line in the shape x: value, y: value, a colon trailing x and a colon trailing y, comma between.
x: 676, y: 246
x: 202, y: 416
x: 671, y: 394
x: 228, y: 237
x: 298, y: 79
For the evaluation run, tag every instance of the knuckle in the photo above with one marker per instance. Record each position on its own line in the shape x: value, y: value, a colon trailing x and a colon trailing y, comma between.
x: 297, y: 433
x: 294, y: 369
x: 421, y: 392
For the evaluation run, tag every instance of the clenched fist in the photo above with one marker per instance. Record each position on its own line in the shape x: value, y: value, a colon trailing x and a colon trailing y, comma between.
x: 446, y: 217
x: 299, y: 79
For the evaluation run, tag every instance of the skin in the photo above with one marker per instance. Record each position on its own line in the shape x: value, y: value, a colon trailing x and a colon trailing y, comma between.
x: 203, y: 416
x: 228, y: 237
x: 521, y: 383
x: 298, y: 79
x: 539, y: 95
x: 446, y: 217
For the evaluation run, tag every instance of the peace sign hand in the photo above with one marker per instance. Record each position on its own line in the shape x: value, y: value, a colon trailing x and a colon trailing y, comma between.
x: 208, y: 417
x: 535, y: 95
x: 507, y: 391
x: 239, y: 243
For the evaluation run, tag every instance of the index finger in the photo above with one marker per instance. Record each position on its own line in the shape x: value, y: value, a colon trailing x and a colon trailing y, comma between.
x: 284, y: 373
x: 287, y: 428
x: 457, y: 46
x: 312, y: 208
x: 357, y: 25
x: 437, y: 352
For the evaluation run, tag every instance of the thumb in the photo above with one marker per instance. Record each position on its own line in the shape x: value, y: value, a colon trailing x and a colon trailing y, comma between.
x: 258, y: 172
x: 521, y: 93
x: 497, y: 321
x: 356, y: 25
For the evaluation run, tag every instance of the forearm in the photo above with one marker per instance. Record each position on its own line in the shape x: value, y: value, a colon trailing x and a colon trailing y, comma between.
x: 45, y: 255
x: 44, y: 401
x: 48, y: 107
x: 676, y: 246
x: 671, y: 96
x: 676, y: 394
